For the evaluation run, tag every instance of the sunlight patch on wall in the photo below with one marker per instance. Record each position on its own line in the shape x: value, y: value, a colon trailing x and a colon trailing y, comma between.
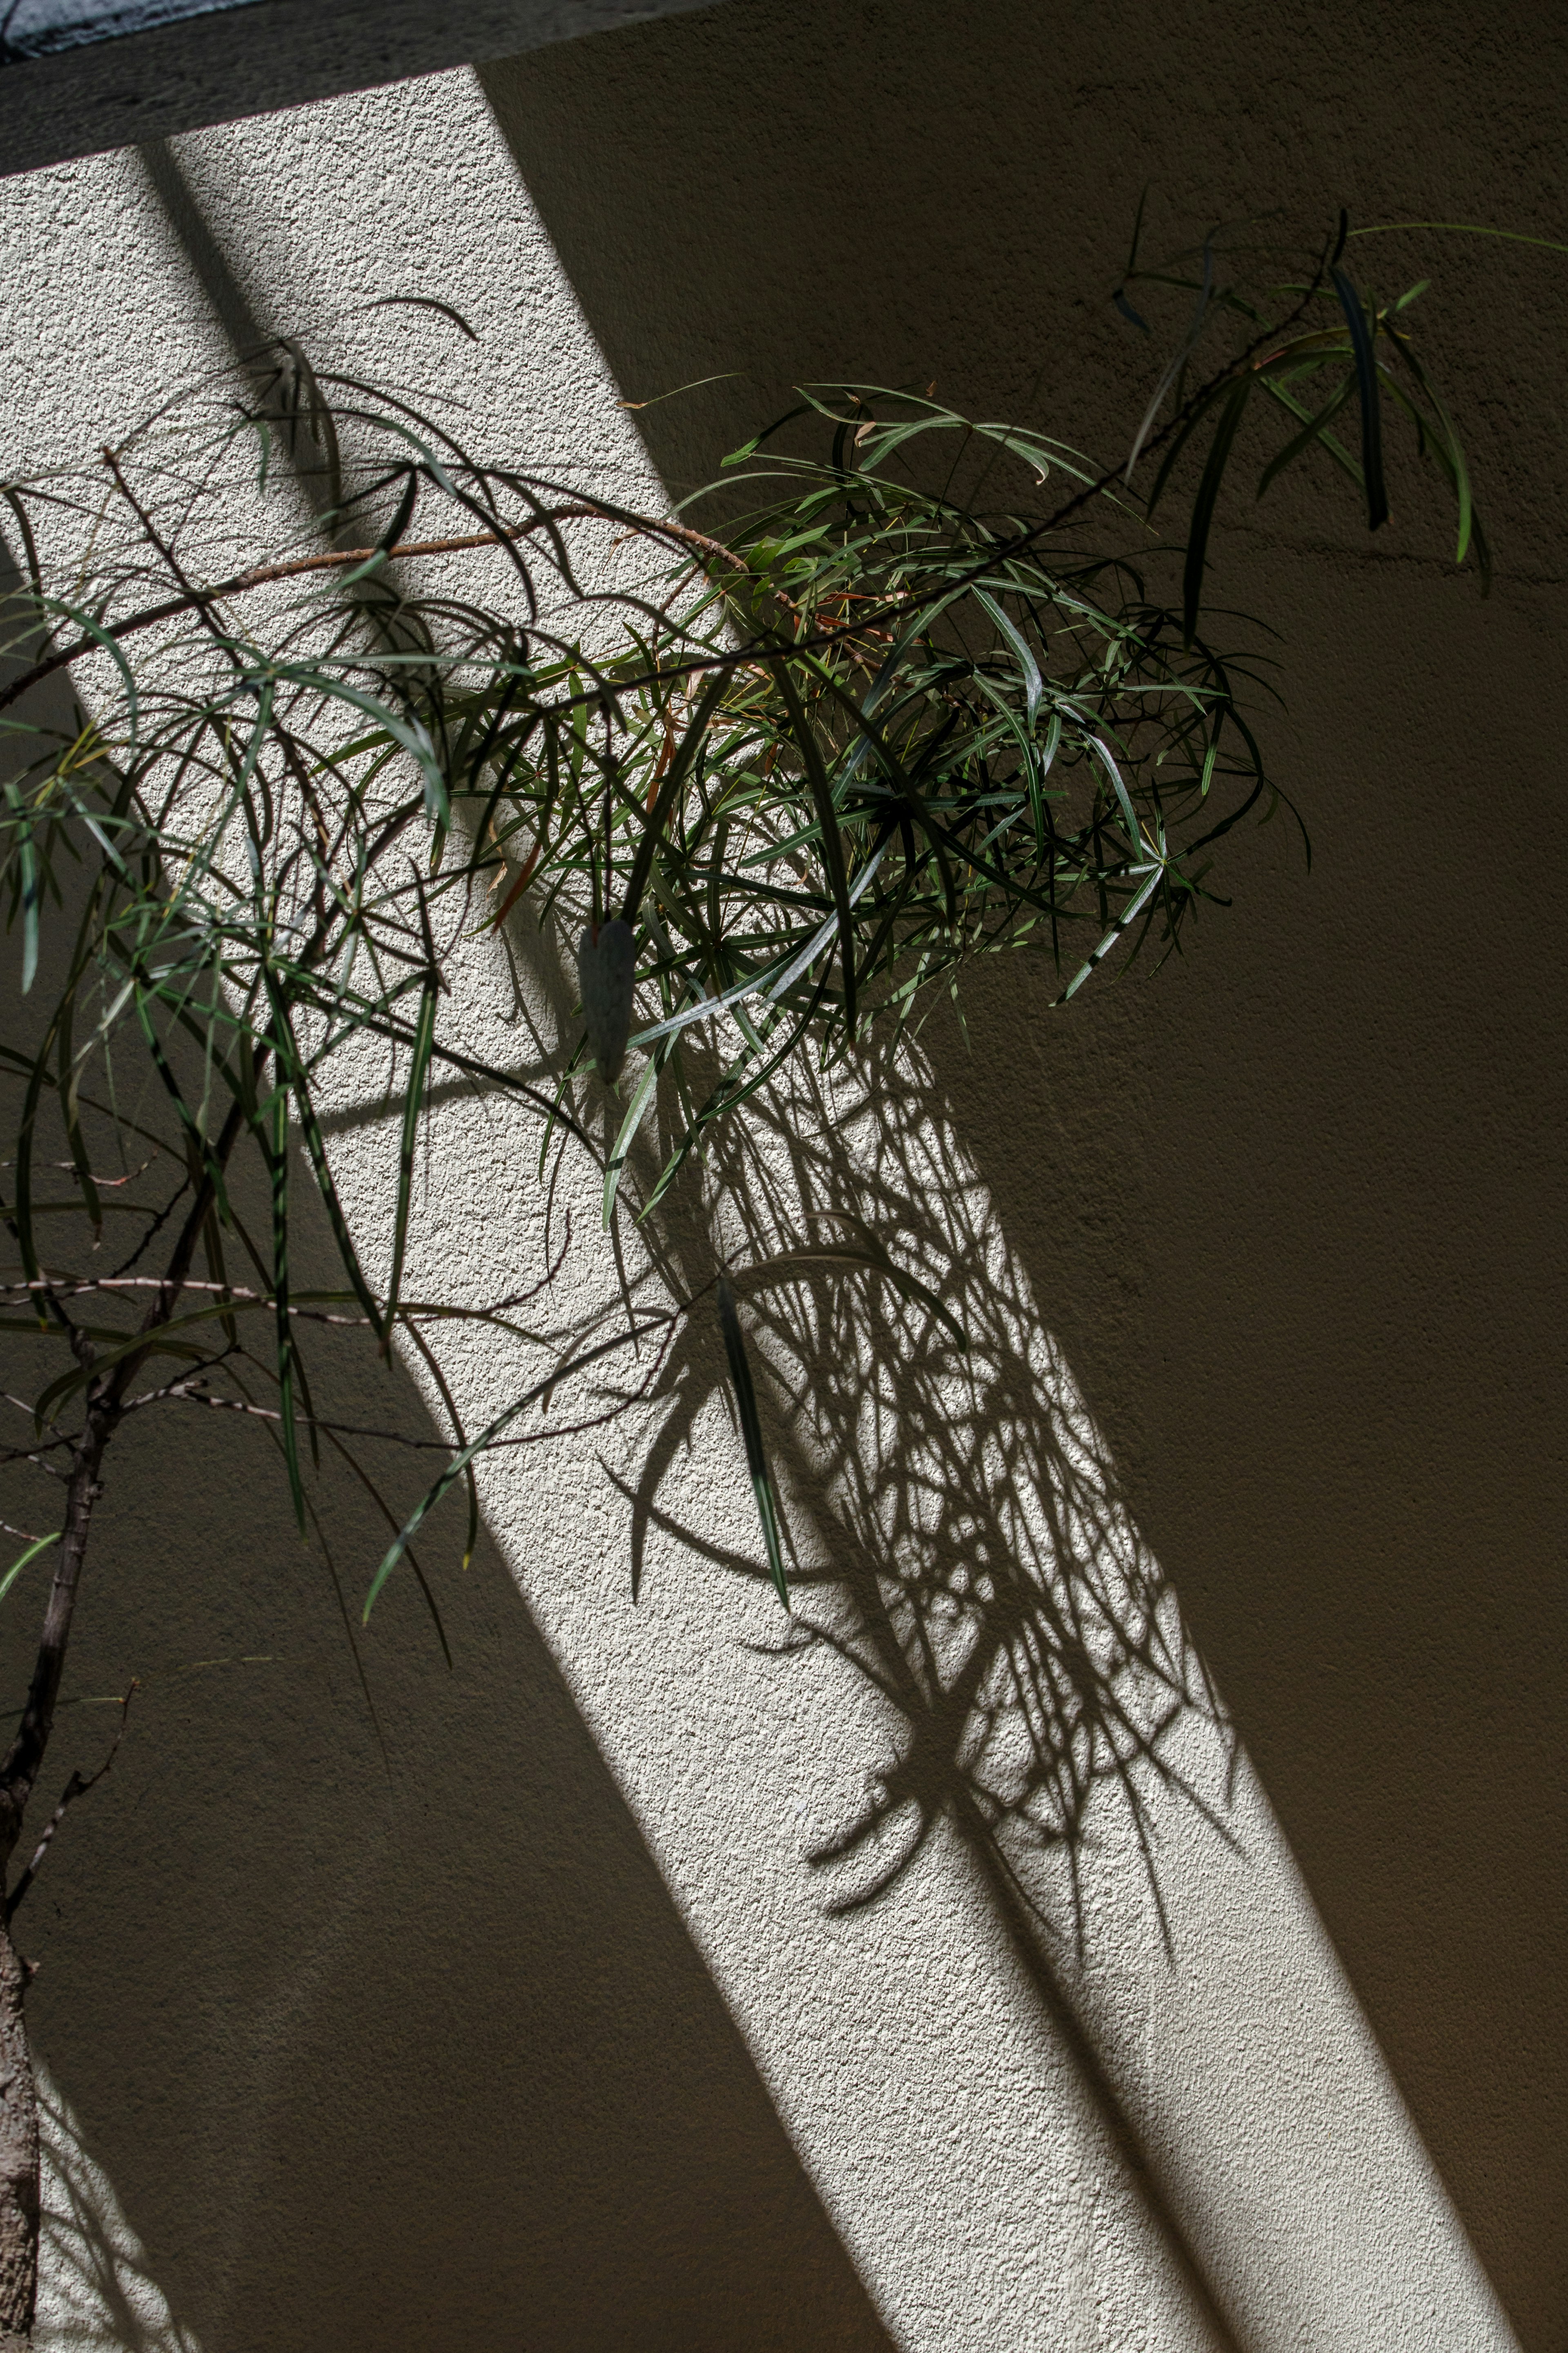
x: 96, y: 2292
x: 966, y: 1840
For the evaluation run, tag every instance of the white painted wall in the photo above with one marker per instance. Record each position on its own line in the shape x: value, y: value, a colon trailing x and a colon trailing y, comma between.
x: 456, y: 2170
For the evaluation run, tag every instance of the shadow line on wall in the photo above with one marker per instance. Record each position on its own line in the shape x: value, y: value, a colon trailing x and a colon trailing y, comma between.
x: 1040, y: 1667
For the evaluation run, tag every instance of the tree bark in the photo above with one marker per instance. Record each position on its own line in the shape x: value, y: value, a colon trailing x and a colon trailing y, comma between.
x: 18, y: 2159
x: 18, y: 1775
x: 19, y: 2215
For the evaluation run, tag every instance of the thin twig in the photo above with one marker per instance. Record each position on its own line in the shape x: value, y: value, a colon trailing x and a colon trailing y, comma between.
x: 190, y: 1393
x: 23, y: 1454
x: 819, y: 641
x: 262, y: 575
x: 239, y: 1295
x: 74, y: 1788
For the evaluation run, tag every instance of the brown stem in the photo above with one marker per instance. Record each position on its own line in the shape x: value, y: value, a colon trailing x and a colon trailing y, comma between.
x: 18, y: 1777
x: 74, y: 1788
x: 18, y: 2091
x: 20, y: 1771
x: 18, y: 2159
x: 260, y: 575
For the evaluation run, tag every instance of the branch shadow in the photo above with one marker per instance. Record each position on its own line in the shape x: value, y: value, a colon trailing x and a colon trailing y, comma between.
x: 959, y: 1537
x: 1296, y: 1212
x: 379, y: 2023
x: 373, y: 2005
x: 1038, y: 1691
x: 99, y: 2294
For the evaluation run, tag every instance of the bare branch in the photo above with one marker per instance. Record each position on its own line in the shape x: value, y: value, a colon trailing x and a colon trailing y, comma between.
x: 74, y: 1788
x: 262, y: 575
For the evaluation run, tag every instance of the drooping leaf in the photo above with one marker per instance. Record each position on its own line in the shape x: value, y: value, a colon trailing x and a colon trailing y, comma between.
x: 607, y: 976
x: 408, y: 1141
x: 829, y: 843
x: 38, y: 1545
x: 1204, y: 504
x: 1368, y: 391
x: 746, y: 1412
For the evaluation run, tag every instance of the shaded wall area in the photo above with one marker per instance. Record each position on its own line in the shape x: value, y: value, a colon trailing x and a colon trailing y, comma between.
x: 86, y: 77
x: 367, y: 2015
x: 1295, y: 1208
x: 364, y: 2012
x: 400, y: 2037
x: 450, y: 1985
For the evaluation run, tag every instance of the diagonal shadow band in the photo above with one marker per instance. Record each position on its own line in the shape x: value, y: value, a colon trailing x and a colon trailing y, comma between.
x: 959, y: 1538
x: 1040, y: 1668
x: 997, y: 1606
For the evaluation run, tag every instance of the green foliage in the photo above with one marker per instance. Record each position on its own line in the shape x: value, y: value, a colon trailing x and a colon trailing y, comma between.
x: 1312, y: 369
x: 939, y: 692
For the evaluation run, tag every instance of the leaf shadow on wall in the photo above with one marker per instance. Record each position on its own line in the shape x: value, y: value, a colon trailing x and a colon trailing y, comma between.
x: 385, y: 2028
x: 960, y: 1538
x: 932, y: 1778
x: 368, y: 2015
x: 1295, y: 1212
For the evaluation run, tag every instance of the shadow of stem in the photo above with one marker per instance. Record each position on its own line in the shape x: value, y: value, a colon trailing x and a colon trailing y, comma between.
x: 97, y: 2294
x: 970, y: 1555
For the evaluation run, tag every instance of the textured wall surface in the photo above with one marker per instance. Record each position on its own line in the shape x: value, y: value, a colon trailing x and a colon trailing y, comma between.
x: 522, y: 2017
x: 79, y: 79
x: 37, y: 26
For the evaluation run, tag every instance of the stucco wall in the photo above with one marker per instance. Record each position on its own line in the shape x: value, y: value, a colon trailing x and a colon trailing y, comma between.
x: 538, y: 2029
x: 83, y: 80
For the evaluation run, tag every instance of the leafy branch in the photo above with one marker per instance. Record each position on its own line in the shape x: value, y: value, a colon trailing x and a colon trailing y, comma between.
x: 306, y: 697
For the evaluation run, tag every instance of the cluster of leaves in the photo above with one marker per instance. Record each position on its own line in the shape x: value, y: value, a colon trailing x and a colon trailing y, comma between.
x: 1337, y: 351
x: 945, y: 739
x: 906, y: 712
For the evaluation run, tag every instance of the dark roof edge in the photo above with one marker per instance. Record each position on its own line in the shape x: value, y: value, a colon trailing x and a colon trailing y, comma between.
x: 253, y: 59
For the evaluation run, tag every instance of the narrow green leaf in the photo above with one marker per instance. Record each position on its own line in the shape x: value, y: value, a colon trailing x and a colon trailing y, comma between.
x: 1034, y: 685
x: 1371, y: 401
x: 752, y: 1432
x: 28, y: 878
x: 413, y: 1108
x: 41, y: 1543
x: 1449, y: 449
x: 1462, y: 228
x: 1167, y: 463
x: 1310, y: 432
x: 674, y: 778
x: 471, y: 1537
x: 277, y: 1150
x: 622, y: 1146
x: 290, y: 1063
x: 1124, y: 921
x: 832, y: 842
x: 1198, y: 530
x: 68, y: 1081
